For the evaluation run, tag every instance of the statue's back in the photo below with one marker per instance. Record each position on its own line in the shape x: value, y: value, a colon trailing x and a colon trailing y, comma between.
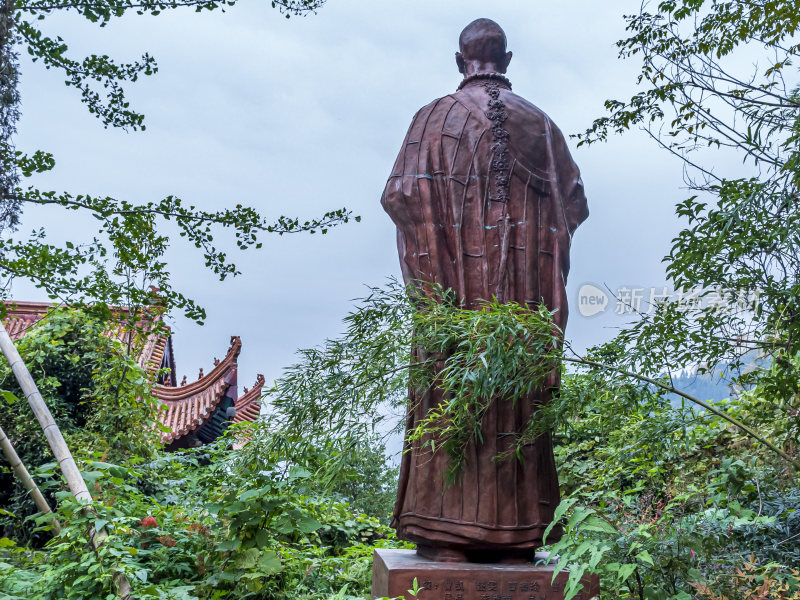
x: 485, y: 197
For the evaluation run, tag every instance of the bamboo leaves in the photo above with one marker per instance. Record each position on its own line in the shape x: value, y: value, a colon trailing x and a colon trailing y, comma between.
x: 398, y: 338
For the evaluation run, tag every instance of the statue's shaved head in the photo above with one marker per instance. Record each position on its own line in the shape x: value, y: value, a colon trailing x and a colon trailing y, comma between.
x: 483, y: 40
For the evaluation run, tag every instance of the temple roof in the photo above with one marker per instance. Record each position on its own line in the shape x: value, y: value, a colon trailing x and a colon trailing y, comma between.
x: 248, y: 405
x: 22, y: 316
x: 188, y: 407
x: 195, y: 412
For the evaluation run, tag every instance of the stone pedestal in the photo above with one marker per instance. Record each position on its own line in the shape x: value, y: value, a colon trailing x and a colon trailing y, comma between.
x: 393, y: 574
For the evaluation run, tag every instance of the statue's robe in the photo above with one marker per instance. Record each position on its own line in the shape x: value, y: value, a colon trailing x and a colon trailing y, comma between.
x: 486, y: 197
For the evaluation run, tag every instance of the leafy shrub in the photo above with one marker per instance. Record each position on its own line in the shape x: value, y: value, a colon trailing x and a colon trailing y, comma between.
x: 94, y: 388
x: 664, y: 502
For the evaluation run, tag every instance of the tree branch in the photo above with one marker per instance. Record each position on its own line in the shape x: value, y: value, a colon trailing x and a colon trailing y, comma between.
x: 738, y: 424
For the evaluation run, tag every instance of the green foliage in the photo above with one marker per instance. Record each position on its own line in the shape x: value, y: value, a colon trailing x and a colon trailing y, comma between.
x: 662, y: 498
x: 120, y: 264
x: 740, y: 243
x: 687, y: 50
x: 347, y: 384
x: 204, y: 524
x: 94, y: 388
x: 9, y: 115
x: 347, y: 388
x: 662, y: 501
x: 357, y: 474
x: 501, y: 353
x: 102, y: 72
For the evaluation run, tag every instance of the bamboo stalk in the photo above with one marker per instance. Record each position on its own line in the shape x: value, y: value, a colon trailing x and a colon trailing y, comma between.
x: 75, y: 482
x: 51, y: 431
x: 27, y: 481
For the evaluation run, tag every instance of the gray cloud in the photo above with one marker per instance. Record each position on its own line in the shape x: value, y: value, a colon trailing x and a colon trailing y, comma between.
x: 304, y: 115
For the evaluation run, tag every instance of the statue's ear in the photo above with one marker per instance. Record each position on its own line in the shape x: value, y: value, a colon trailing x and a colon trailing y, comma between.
x: 507, y: 60
x: 460, y: 62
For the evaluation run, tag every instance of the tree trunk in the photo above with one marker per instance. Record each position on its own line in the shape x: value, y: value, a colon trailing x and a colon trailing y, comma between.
x: 10, y: 204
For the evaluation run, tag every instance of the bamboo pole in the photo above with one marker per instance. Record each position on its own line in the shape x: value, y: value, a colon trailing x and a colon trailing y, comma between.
x: 51, y: 431
x: 22, y: 474
x: 75, y: 482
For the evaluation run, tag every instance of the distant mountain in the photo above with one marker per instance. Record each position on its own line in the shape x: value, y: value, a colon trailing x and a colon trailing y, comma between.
x: 708, y: 386
x: 714, y: 385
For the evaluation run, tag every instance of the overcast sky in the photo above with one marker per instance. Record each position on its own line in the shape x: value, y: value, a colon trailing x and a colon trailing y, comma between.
x: 305, y: 115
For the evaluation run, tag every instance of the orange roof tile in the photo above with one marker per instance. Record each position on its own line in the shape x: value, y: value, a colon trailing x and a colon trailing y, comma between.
x: 24, y: 315
x: 186, y: 407
x: 248, y: 405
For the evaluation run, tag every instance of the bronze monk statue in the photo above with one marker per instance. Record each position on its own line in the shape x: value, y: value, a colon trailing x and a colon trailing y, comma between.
x: 486, y: 197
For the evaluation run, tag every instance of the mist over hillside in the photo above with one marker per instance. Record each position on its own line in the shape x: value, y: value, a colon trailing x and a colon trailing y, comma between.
x: 713, y: 385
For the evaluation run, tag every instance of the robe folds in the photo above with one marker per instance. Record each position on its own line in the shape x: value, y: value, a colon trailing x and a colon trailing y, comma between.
x: 485, y: 197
